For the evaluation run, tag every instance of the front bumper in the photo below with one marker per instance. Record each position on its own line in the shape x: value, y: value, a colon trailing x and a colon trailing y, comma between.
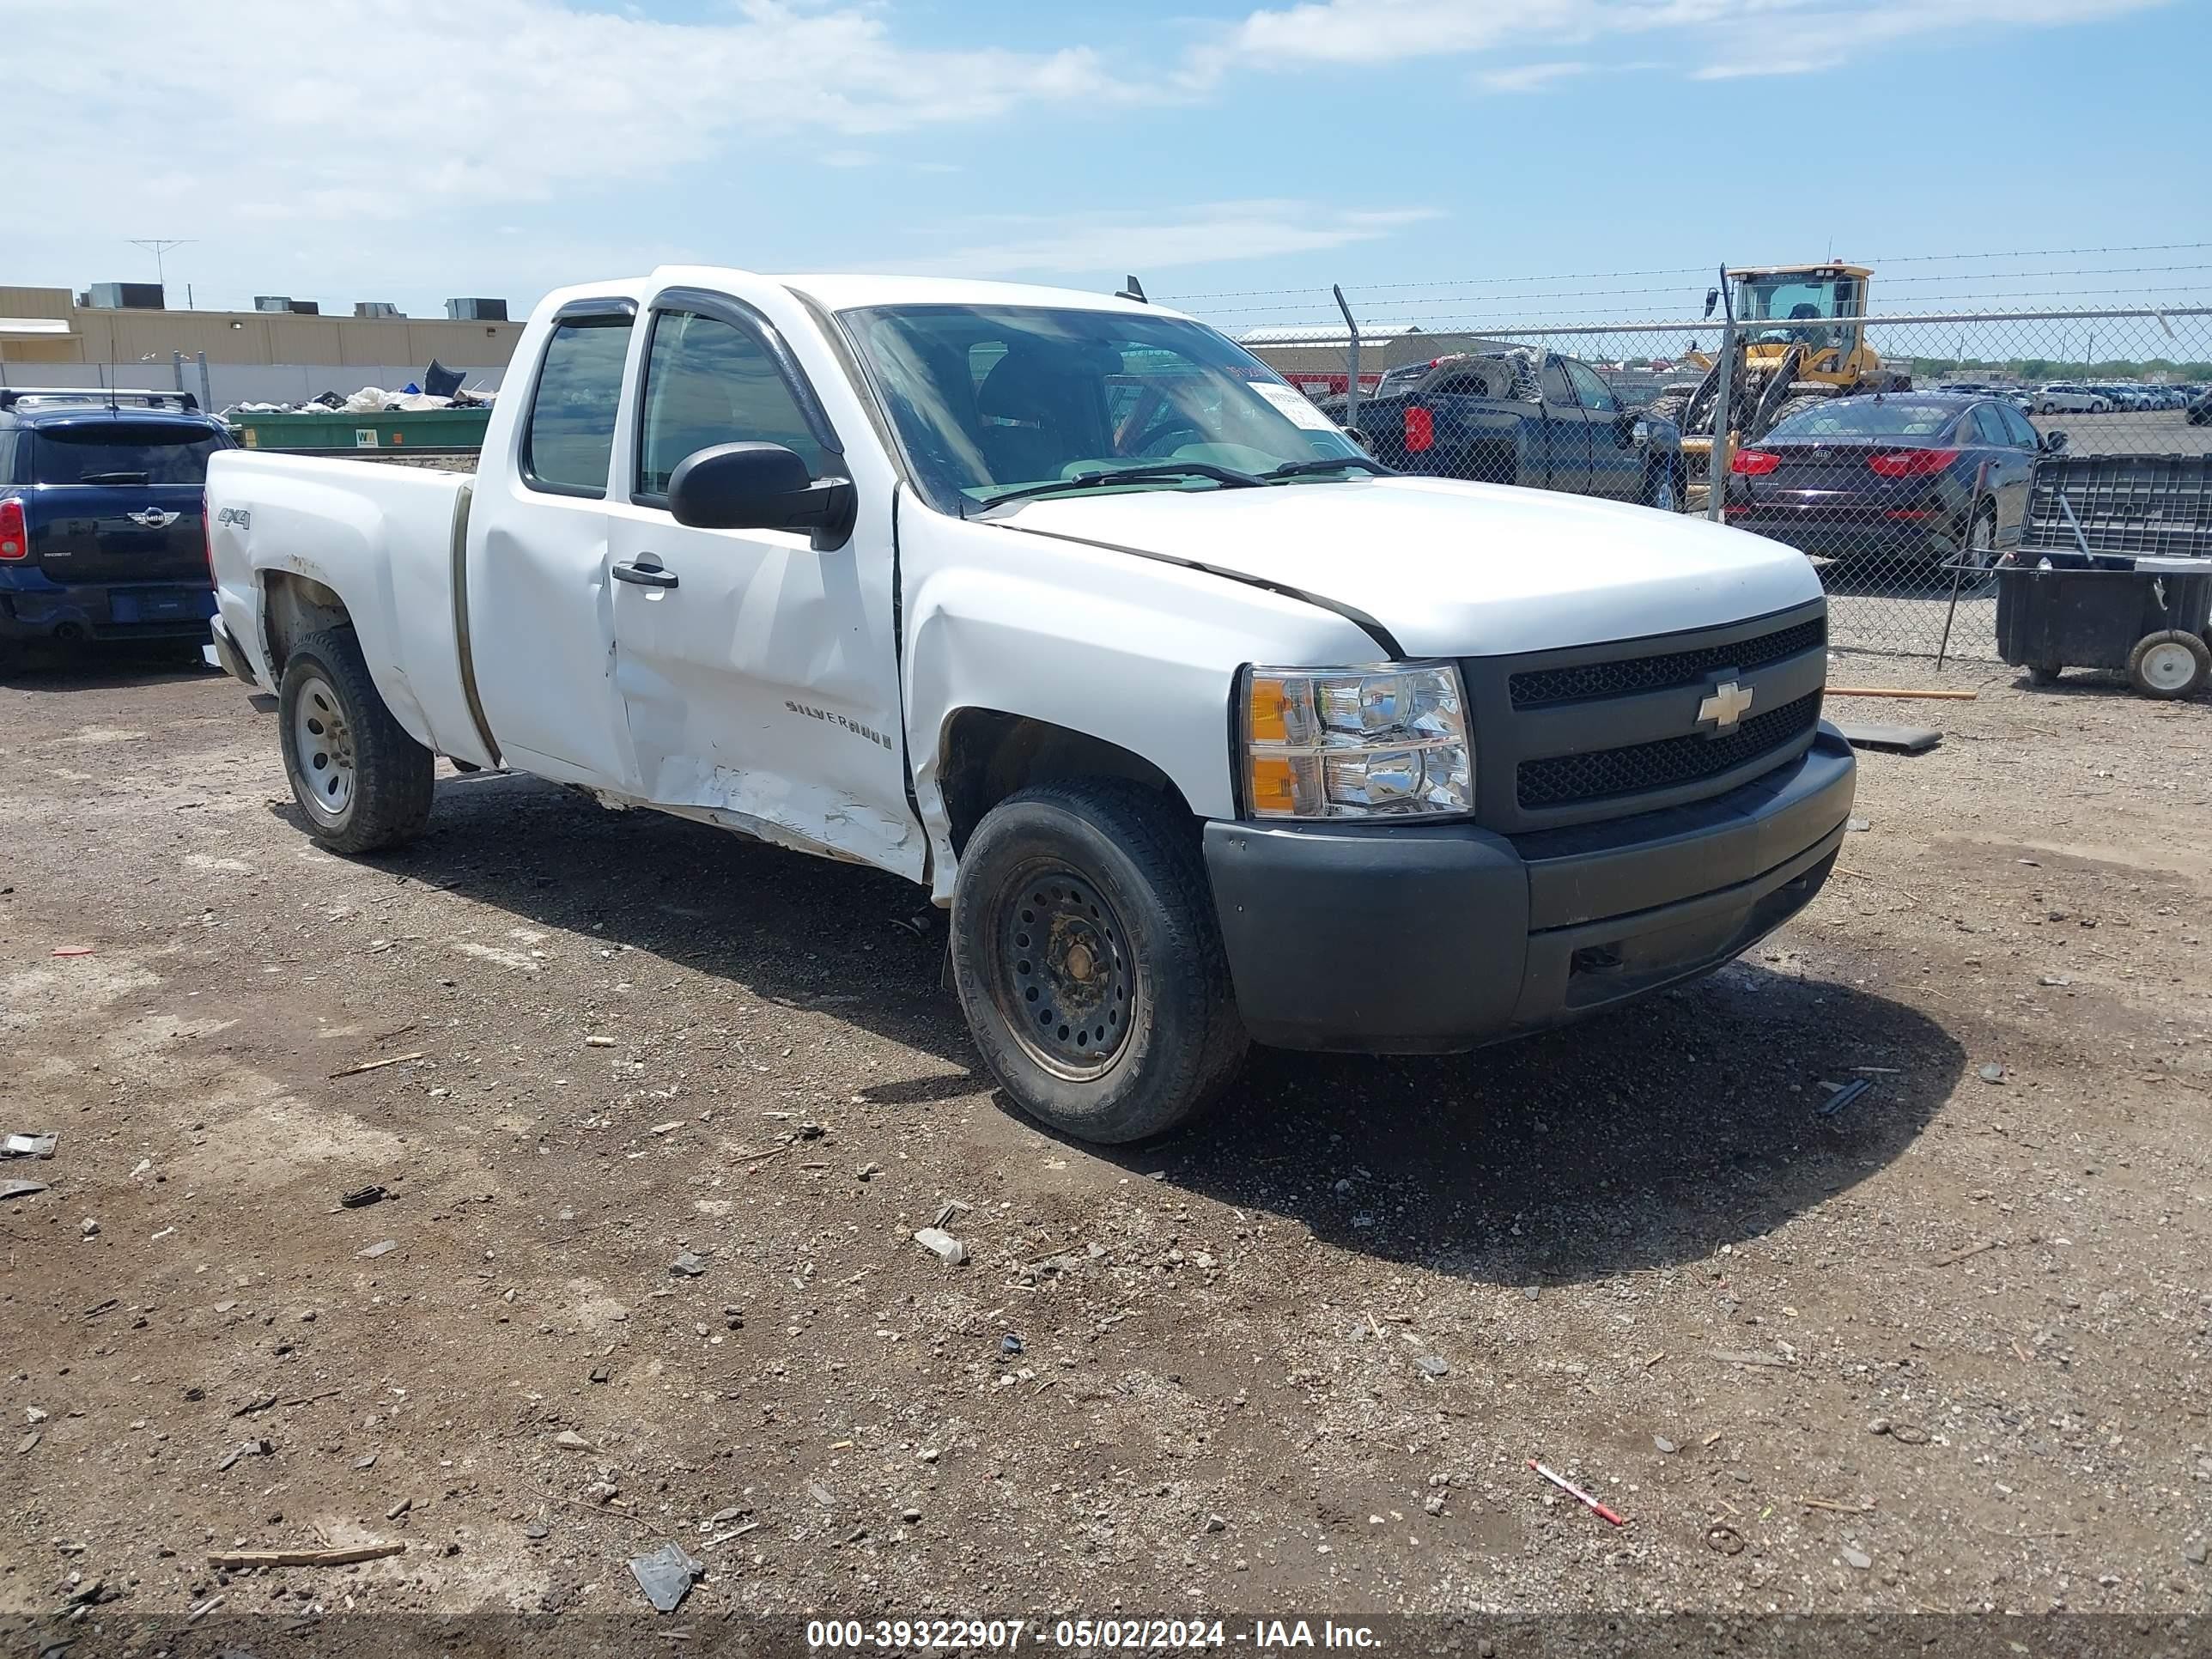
x: 1407, y: 939
x: 38, y: 609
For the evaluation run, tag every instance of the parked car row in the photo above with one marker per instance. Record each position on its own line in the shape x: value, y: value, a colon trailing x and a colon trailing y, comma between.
x: 2082, y: 397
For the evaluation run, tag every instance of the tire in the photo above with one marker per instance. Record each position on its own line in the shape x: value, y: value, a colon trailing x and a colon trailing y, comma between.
x: 1980, y: 553
x: 1797, y: 404
x: 362, y: 782
x: 1116, y: 874
x: 1662, y: 488
x: 2044, y: 673
x: 2171, y: 663
x: 1668, y: 405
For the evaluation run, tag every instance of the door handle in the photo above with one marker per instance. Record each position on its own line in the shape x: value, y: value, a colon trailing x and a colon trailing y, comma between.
x: 644, y: 575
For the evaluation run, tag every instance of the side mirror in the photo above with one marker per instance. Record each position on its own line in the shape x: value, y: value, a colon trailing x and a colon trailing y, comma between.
x: 1357, y: 437
x: 754, y: 486
x: 2052, y: 443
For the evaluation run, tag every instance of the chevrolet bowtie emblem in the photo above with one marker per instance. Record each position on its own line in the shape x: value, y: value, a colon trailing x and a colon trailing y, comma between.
x: 1724, y: 705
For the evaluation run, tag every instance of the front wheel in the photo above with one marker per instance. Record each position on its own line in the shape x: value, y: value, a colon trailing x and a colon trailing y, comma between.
x: 1088, y: 963
x: 363, y: 783
x: 1663, y: 488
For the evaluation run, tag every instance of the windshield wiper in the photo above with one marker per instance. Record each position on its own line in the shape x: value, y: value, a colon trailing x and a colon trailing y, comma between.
x: 1228, y: 478
x: 1325, y: 464
x: 111, y: 478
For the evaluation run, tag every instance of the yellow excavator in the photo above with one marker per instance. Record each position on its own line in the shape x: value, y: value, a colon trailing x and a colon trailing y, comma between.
x: 1800, y: 337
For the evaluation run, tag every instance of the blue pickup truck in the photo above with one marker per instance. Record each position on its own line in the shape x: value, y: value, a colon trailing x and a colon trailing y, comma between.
x: 1519, y: 417
x: 101, y: 531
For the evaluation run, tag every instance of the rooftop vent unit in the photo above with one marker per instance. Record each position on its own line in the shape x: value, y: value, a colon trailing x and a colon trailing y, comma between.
x: 123, y: 296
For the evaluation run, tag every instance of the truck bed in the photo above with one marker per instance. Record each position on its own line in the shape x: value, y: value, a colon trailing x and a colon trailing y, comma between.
x: 391, y: 540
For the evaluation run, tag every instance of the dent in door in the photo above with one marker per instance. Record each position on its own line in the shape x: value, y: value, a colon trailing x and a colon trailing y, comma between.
x: 785, y: 621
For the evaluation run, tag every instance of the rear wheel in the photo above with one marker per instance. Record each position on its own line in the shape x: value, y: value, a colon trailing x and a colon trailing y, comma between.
x: 363, y: 783
x: 1088, y: 963
x: 2044, y: 673
x: 1979, y: 555
x: 2170, y: 664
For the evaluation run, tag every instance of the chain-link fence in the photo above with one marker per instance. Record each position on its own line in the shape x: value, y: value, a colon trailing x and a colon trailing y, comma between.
x: 1899, y: 451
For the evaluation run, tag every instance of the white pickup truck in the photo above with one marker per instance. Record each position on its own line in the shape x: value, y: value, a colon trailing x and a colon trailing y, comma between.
x: 1204, y: 728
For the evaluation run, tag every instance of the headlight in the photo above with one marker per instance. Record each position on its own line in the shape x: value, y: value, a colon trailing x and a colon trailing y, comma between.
x: 1356, y: 743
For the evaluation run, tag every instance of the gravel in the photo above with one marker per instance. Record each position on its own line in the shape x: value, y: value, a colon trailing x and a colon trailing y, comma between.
x: 2008, y: 1280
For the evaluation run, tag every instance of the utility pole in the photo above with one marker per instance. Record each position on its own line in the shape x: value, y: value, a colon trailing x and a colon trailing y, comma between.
x: 158, y: 245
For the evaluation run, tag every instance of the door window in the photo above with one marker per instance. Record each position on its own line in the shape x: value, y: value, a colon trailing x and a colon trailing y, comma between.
x: 1555, y: 384
x: 2015, y: 423
x: 709, y: 382
x: 1990, y: 427
x: 571, y: 434
x: 1596, y: 396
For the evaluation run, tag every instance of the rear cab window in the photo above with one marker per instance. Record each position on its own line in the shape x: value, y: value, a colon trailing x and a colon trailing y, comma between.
x: 570, y: 437
x: 105, y: 451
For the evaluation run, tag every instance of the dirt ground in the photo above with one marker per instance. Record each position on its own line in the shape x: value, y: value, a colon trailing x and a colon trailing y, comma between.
x: 1944, y: 1348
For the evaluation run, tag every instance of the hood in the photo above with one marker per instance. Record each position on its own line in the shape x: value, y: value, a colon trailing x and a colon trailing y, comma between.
x: 1455, y: 569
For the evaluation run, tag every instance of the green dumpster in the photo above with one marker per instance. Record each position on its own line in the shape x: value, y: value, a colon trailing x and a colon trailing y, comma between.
x: 428, y: 428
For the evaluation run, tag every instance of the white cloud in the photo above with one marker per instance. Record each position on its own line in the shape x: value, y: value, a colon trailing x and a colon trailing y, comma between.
x: 1529, y: 77
x: 1718, y: 36
x: 357, y: 111
x: 1210, y: 233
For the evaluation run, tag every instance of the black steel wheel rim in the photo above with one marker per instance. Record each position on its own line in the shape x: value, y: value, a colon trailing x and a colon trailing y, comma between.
x: 1062, y: 975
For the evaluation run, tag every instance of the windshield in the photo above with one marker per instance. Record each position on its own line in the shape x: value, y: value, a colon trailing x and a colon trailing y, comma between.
x: 1853, y: 419
x: 102, y: 452
x: 1806, y: 300
x: 993, y: 398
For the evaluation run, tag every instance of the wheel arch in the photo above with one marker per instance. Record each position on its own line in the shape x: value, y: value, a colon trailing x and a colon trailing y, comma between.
x: 986, y: 754
x: 295, y: 605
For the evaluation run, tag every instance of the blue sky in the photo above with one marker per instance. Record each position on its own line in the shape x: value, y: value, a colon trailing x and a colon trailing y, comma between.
x: 411, y: 149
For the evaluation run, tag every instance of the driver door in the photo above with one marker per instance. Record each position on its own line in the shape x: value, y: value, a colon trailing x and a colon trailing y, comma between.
x: 1616, y: 459
x: 757, y: 673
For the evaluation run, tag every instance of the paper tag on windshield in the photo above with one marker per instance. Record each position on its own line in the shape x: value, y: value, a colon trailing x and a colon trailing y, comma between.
x: 1295, y: 404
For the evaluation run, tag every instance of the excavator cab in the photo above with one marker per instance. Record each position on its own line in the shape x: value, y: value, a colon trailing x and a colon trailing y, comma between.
x: 1814, y: 308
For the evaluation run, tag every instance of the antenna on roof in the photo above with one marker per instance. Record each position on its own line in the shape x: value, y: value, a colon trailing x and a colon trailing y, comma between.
x: 1132, y: 289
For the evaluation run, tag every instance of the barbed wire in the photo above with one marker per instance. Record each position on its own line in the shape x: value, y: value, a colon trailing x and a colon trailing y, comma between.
x: 1699, y: 272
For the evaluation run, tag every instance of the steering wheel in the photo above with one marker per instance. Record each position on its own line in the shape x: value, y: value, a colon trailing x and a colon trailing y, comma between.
x: 1164, y: 440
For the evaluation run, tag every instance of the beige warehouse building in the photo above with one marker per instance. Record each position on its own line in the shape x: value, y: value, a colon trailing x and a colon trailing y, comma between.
x: 46, y: 338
